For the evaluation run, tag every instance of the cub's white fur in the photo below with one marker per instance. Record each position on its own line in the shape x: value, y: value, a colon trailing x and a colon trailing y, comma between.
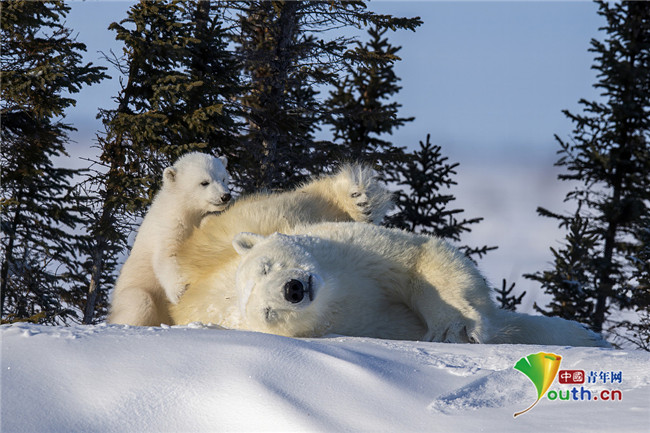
x: 209, y: 260
x: 364, y: 280
x: 194, y: 186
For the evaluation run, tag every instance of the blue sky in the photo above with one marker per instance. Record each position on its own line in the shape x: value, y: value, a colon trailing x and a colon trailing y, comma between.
x: 487, y: 80
x: 486, y: 76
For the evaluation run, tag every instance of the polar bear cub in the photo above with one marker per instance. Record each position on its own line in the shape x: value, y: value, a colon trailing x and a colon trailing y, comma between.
x: 370, y: 281
x: 196, y: 185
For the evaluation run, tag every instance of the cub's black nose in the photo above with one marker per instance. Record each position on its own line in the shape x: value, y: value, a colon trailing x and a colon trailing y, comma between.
x: 294, y: 291
x: 226, y: 198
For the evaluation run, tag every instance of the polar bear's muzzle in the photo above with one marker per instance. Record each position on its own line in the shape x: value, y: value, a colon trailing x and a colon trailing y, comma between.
x: 222, y: 202
x: 294, y: 290
x: 279, y: 300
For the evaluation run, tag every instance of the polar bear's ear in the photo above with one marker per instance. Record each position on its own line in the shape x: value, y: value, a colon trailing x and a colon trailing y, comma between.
x: 169, y: 175
x: 224, y: 161
x: 244, y: 241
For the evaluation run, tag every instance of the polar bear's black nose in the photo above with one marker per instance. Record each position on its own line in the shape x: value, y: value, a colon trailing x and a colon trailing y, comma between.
x: 226, y: 198
x: 294, y: 291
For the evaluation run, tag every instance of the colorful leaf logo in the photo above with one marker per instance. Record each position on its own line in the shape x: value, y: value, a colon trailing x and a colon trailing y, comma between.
x: 541, y: 368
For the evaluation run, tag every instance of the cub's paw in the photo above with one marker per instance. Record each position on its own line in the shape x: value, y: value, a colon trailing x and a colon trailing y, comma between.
x: 365, y: 198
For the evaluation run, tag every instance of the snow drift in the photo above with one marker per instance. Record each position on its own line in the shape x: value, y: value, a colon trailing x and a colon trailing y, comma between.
x: 197, y: 378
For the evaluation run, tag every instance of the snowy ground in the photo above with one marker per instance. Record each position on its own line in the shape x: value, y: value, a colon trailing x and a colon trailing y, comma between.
x: 120, y: 379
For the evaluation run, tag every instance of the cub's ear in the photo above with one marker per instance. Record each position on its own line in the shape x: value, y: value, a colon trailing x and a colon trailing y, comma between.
x: 244, y: 241
x: 169, y: 175
x: 224, y: 161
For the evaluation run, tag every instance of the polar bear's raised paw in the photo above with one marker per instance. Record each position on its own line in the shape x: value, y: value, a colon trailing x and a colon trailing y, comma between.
x: 369, y: 200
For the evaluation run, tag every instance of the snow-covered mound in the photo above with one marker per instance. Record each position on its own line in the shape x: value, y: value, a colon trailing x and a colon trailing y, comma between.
x: 191, y: 379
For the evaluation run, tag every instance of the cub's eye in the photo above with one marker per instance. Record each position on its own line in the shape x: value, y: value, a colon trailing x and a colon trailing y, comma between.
x: 266, y: 267
x: 205, y: 183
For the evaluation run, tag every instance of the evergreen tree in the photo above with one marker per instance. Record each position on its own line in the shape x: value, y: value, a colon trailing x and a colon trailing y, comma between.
x: 213, y: 71
x: 609, y: 155
x: 179, y: 81
x: 363, y: 111
x: 41, y: 68
x: 422, y: 206
x: 285, y: 58
x: 280, y: 104
x: 638, y: 332
x: 572, y: 276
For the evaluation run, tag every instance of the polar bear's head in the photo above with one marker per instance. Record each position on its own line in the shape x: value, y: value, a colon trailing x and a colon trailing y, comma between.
x: 280, y: 285
x: 200, y: 181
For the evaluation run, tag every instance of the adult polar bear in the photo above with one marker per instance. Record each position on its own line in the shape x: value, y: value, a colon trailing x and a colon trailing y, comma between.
x: 150, y: 278
x: 365, y: 280
x: 209, y: 261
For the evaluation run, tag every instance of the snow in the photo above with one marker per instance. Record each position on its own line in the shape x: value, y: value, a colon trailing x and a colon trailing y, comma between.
x: 110, y: 378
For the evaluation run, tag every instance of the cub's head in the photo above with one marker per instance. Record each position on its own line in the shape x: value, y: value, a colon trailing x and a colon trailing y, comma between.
x: 201, y: 181
x: 280, y: 286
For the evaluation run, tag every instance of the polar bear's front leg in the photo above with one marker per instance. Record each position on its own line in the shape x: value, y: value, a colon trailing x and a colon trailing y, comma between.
x: 456, y: 332
x: 448, y: 319
x: 456, y: 324
x: 361, y: 194
x: 168, y: 273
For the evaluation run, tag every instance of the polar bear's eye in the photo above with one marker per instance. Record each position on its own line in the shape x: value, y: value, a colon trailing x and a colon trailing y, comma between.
x: 205, y: 183
x: 266, y: 268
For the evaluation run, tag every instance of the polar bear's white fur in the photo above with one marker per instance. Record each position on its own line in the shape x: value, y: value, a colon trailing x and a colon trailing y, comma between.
x: 364, y: 280
x: 209, y: 260
x: 194, y: 186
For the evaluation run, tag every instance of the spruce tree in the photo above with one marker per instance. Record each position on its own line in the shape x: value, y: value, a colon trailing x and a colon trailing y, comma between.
x: 638, y: 332
x: 287, y: 58
x: 571, y: 278
x: 609, y: 156
x: 280, y: 105
x: 363, y: 110
x: 212, y: 68
x: 179, y: 79
x: 41, y: 68
x: 421, y: 201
